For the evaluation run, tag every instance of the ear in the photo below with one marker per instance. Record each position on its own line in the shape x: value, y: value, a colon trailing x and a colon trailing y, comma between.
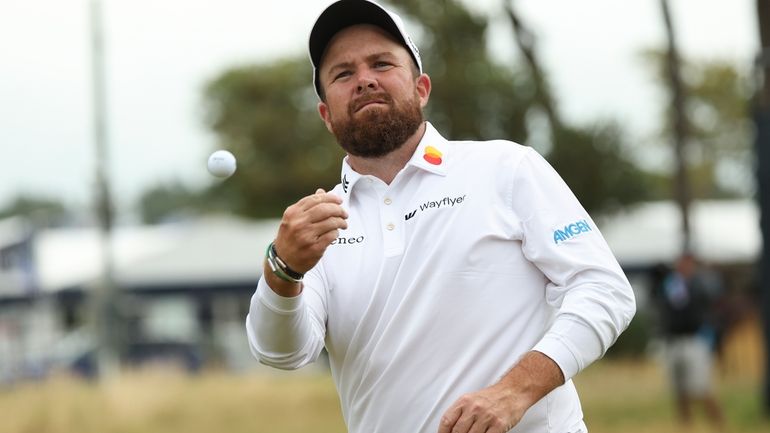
x: 323, y: 111
x: 423, y: 89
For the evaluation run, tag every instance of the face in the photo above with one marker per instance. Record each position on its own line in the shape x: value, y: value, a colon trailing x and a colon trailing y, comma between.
x: 686, y: 265
x: 373, y: 98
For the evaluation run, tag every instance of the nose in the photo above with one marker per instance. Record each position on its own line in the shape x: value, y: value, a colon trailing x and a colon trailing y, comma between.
x: 366, y: 83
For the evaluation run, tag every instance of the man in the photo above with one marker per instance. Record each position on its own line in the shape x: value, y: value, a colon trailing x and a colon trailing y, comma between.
x: 685, y: 298
x: 457, y: 286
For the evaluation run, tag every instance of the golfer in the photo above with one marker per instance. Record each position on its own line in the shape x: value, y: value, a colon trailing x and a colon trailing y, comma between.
x: 457, y: 286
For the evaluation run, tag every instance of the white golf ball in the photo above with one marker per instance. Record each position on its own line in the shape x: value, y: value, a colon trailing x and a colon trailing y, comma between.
x: 221, y: 163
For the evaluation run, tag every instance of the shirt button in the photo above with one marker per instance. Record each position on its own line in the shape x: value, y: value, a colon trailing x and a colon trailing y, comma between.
x: 390, y: 226
x: 388, y: 200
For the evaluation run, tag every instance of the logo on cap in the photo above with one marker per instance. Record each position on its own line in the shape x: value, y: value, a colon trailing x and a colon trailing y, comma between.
x: 413, y: 46
x: 432, y: 155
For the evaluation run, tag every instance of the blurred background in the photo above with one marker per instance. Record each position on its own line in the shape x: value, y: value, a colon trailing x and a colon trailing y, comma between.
x: 126, y: 269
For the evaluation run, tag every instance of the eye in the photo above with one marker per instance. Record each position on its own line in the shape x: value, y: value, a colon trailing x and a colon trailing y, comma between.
x: 381, y: 64
x: 341, y: 75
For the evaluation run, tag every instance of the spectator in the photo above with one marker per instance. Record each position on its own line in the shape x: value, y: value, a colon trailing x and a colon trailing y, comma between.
x: 685, y: 297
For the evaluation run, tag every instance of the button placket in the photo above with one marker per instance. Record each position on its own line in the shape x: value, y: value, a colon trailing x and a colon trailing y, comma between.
x: 392, y: 230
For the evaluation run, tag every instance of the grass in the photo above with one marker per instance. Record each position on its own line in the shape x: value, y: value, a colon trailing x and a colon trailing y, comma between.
x: 628, y: 397
x: 633, y: 397
x: 158, y: 401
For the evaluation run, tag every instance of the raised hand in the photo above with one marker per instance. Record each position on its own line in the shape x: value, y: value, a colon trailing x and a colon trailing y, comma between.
x: 307, y: 228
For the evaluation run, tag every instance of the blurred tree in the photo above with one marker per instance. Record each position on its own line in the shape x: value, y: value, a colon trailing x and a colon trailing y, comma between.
x: 171, y: 201
x: 42, y: 212
x: 526, y: 41
x: 721, y: 125
x: 719, y: 156
x: 594, y: 164
x: 680, y: 127
x: 592, y: 160
x: 266, y: 115
x: 473, y: 96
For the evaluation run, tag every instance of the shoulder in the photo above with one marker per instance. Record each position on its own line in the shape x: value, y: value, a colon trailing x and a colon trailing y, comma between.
x: 489, y: 155
x: 490, y: 149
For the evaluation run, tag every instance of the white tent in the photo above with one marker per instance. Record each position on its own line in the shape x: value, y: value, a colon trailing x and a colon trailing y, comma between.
x: 723, y: 232
x: 208, y: 250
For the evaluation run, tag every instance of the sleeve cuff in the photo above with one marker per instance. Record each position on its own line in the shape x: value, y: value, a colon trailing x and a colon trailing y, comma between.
x: 571, y: 344
x: 556, y: 349
x: 276, y: 302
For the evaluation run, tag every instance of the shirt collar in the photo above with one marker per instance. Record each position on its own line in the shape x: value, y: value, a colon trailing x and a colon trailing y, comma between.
x: 348, y: 177
x: 431, y: 155
x: 432, y: 152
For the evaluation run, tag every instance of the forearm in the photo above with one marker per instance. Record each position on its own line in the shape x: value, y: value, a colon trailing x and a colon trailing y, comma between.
x: 281, y: 330
x: 286, y: 324
x: 531, y: 379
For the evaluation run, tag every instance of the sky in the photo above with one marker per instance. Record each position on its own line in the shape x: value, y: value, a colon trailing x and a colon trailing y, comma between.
x: 161, y: 53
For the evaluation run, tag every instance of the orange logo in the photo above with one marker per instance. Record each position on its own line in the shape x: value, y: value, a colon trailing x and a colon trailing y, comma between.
x: 432, y: 155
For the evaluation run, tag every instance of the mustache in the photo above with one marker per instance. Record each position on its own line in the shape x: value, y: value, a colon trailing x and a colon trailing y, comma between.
x: 359, y: 103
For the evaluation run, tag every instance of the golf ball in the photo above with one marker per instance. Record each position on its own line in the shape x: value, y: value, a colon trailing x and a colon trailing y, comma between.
x: 221, y: 163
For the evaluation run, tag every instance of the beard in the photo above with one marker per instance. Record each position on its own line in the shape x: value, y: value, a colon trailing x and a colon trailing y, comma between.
x: 379, y: 130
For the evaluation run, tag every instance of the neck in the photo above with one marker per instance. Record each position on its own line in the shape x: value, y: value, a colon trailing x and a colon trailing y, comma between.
x: 386, y: 167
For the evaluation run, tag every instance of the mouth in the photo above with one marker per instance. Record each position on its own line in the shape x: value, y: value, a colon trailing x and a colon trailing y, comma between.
x: 361, y: 105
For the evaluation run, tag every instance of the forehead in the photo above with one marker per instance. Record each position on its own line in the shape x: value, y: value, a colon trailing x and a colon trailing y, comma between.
x: 360, y: 40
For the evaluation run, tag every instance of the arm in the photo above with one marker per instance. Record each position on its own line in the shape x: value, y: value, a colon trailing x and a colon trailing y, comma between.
x: 285, y: 324
x: 592, y: 298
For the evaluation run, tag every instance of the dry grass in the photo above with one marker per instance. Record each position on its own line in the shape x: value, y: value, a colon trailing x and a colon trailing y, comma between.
x: 633, y: 397
x: 158, y: 401
x: 617, y: 397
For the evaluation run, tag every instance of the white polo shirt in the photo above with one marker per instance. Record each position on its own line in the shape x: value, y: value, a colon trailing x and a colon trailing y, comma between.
x: 476, y: 253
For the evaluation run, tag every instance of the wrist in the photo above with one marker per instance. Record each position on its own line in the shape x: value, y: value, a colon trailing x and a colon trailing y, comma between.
x: 279, y: 267
x: 534, y: 376
x: 280, y: 287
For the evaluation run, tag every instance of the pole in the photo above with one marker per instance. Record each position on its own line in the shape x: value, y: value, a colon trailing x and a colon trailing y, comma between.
x: 762, y: 122
x: 103, y: 297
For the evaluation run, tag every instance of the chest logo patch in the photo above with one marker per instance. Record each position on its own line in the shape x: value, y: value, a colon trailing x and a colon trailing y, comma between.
x: 445, y: 202
x: 433, y: 155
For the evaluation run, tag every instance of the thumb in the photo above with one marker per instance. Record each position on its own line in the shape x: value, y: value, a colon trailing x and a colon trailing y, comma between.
x: 320, y: 191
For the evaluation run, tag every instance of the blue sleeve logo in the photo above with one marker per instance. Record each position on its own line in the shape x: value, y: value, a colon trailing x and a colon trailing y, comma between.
x: 570, y: 231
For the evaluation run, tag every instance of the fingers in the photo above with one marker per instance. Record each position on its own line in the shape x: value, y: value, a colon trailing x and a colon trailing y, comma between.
x: 308, y: 227
x: 323, y: 211
x: 478, y: 412
x: 464, y: 424
x: 449, y: 419
x: 330, y: 224
x: 310, y: 223
x: 319, y: 197
x: 313, y: 209
x: 456, y: 421
x: 327, y: 238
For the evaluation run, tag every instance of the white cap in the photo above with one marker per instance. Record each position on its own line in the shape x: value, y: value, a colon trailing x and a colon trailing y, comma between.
x: 345, y: 13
